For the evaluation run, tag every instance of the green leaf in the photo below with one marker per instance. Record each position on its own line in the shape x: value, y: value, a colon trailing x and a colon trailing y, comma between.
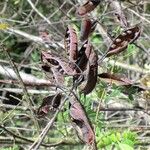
x: 125, y: 147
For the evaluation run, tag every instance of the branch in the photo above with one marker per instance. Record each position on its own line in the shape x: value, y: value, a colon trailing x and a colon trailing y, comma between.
x: 31, y: 91
x: 28, y: 83
x: 54, y: 141
x: 32, y: 37
x: 116, y: 6
x: 127, y: 66
x: 10, y: 73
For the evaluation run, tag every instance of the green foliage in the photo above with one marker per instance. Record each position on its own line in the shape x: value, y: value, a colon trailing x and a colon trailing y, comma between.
x: 16, y: 2
x: 15, y: 147
x: 122, y: 141
x: 125, y: 147
x: 131, y: 50
x: 116, y: 31
x: 35, y: 57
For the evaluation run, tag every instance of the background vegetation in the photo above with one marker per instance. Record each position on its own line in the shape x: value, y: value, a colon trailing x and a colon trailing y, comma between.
x: 123, y: 122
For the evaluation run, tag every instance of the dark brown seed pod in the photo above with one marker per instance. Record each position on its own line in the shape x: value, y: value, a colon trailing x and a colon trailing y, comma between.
x: 51, y: 102
x: 87, y: 7
x: 121, y: 81
x: 81, y: 123
x: 87, y: 27
x: 113, y: 78
x: 83, y: 56
x: 46, y: 68
x: 90, y: 79
x: 71, y: 43
x: 55, y: 61
x: 82, y: 61
x: 122, y: 41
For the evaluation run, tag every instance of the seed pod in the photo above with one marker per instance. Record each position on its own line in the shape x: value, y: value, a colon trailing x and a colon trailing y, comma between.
x: 71, y: 44
x: 82, y: 61
x: 51, y: 102
x: 88, y: 7
x: 87, y: 27
x: 90, y: 79
x: 122, y: 41
x: 83, y: 56
x: 81, y: 123
x: 55, y: 61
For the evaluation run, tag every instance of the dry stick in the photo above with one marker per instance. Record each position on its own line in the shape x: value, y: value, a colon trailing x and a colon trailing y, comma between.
x: 7, y: 106
x: 42, y: 16
x: 116, y: 5
x: 100, y: 109
x: 23, y: 65
x: 26, y: 83
x: 12, y: 20
x: 140, y: 16
x: 127, y: 66
x: 62, y: 141
x: 55, y: 12
x: 31, y: 91
x: 32, y: 11
x: 4, y: 7
x: 66, y: 141
x: 19, y: 77
x: 123, y: 109
x: 32, y: 37
x: 23, y: 86
x: 10, y: 73
x: 142, y: 48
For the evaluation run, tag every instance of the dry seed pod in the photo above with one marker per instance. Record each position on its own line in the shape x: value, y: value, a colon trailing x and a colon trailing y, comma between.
x: 121, y: 42
x: 71, y: 43
x: 121, y: 81
x: 55, y: 61
x: 46, y: 68
x: 49, y: 103
x: 83, y: 56
x: 113, y: 78
x: 87, y: 27
x: 82, y: 60
x: 88, y: 7
x: 81, y: 123
x: 90, y: 80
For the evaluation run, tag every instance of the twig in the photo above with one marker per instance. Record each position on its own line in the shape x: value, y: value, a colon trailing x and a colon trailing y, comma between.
x: 116, y: 5
x: 127, y: 66
x: 32, y: 37
x: 42, y: 16
x: 10, y: 73
x: 4, y: 7
x: 7, y: 106
x: 54, y: 141
x: 19, y: 78
x: 31, y: 91
x: 140, y: 16
x: 27, y: 83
